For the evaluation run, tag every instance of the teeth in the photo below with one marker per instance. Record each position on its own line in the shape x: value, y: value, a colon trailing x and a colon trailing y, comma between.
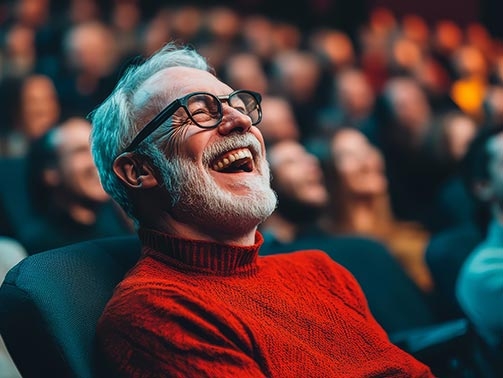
x: 231, y: 158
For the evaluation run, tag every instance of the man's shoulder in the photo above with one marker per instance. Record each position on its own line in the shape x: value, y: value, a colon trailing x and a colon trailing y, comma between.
x: 305, y: 260
x: 298, y: 255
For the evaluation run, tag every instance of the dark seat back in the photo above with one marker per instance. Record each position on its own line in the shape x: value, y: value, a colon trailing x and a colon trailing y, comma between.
x: 15, y: 208
x: 50, y: 304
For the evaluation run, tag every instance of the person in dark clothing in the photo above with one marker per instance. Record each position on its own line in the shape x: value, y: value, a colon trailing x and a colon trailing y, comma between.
x: 448, y: 250
x: 65, y: 192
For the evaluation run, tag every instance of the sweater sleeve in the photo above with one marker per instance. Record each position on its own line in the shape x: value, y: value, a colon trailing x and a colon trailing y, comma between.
x: 176, y: 338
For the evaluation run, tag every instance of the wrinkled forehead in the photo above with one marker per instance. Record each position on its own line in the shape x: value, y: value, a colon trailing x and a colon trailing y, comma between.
x: 175, y: 82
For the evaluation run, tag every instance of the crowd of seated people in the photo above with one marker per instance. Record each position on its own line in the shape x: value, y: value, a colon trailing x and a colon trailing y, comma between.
x: 400, y: 102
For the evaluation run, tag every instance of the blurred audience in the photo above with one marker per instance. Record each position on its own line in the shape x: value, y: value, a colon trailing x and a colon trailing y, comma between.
x: 65, y: 191
x: 359, y: 203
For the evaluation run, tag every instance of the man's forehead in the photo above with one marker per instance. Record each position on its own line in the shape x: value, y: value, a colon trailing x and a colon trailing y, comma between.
x: 174, y: 82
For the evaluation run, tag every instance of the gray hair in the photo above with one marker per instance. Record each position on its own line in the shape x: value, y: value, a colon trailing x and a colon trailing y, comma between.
x: 116, y: 121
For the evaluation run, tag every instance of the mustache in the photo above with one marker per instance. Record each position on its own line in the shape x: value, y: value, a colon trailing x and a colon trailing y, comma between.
x: 232, y: 142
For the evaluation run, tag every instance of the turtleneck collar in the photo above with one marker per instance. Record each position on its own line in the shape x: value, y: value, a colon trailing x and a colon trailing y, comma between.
x: 200, y: 256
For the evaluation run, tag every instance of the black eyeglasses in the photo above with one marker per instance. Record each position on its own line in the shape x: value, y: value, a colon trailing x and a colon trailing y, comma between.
x: 205, y: 110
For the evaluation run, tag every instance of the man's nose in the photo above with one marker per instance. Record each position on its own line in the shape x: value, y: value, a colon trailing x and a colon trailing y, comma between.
x: 233, y: 120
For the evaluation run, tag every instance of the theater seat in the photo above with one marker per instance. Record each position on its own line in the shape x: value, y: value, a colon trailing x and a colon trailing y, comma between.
x: 50, y: 303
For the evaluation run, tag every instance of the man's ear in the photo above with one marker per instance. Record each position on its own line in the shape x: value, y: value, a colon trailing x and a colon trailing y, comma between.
x: 483, y: 190
x: 134, y: 171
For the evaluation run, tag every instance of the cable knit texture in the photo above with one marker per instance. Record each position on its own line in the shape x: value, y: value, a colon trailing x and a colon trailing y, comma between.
x: 198, y: 309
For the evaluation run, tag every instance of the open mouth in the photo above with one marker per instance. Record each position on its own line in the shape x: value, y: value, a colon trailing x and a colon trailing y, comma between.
x: 239, y: 160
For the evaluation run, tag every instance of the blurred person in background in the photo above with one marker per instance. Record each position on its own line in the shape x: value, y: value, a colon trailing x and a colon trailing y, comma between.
x: 185, y: 22
x: 219, y: 35
x: 352, y: 105
x: 245, y: 70
x: 126, y: 25
x: 256, y: 33
x: 404, y: 121
x: 302, y: 196
x: 83, y: 11
x: 278, y: 121
x: 436, y: 82
x: 300, y: 78
x: 24, y: 19
x: 415, y: 28
x: 155, y: 33
x: 373, y: 39
x: 447, y: 38
x: 493, y: 104
x: 91, y: 62
x: 334, y: 46
x: 65, y: 191
x: 19, y: 55
x: 405, y: 55
x: 469, y: 89
x: 448, y: 249
x: 479, y: 287
x: 449, y: 140
x: 33, y: 107
x: 360, y: 203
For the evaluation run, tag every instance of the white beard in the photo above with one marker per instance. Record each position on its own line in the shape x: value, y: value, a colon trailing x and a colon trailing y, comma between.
x: 202, y: 202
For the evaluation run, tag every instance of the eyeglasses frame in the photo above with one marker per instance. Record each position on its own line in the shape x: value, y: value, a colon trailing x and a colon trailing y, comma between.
x: 181, y: 102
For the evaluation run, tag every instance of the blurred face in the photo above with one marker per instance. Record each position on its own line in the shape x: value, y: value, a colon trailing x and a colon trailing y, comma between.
x: 410, y: 106
x: 299, y: 75
x: 220, y: 174
x: 495, y: 148
x: 358, y: 164
x: 93, y: 49
x: 40, y: 106
x: 297, y: 174
x: 245, y: 71
x: 78, y: 174
x: 448, y: 36
x: 459, y: 133
x: 278, y: 121
x: 355, y: 94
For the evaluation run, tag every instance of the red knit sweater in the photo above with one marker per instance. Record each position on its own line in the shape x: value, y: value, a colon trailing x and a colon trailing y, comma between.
x: 198, y: 309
